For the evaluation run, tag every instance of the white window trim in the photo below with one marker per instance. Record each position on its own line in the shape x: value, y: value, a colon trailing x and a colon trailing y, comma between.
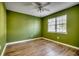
x: 56, y: 28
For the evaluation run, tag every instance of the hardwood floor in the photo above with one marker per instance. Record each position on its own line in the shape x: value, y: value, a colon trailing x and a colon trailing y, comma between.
x: 39, y: 47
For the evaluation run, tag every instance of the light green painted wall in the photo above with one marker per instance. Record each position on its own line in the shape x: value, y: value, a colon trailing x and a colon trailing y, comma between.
x: 2, y: 27
x: 72, y: 38
x: 21, y: 26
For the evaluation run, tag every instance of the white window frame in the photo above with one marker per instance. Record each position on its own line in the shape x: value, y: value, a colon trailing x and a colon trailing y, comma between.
x: 60, y: 21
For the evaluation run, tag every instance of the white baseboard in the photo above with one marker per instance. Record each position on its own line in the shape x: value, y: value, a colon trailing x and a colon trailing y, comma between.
x: 3, y: 50
x: 77, y: 48
x: 22, y: 41
x: 17, y: 42
x: 36, y: 39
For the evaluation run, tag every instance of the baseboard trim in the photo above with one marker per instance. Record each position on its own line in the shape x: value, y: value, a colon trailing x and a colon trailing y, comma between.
x: 77, y: 48
x: 17, y: 42
x: 22, y: 41
x: 3, y: 50
x: 73, y: 47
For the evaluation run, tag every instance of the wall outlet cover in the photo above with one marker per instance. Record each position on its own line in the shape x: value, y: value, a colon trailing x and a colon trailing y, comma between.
x: 58, y: 37
x: 0, y: 47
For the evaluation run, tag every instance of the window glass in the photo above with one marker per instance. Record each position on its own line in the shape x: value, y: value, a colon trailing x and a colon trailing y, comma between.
x: 58, y: 24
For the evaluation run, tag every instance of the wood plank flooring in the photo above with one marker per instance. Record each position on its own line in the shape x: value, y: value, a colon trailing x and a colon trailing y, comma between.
x: 39, y: 47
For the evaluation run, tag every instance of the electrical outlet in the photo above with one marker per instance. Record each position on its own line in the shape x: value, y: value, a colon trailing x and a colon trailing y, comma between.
x: 0, y: 47
x: 58, y: 37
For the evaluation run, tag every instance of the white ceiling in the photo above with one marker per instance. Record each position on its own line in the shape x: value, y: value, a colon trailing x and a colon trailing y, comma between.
x: 30, y: 9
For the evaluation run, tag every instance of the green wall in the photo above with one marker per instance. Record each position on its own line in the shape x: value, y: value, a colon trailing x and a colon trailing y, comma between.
x: 2, y: 27
x: 72, y: 38
x: 21, y: 26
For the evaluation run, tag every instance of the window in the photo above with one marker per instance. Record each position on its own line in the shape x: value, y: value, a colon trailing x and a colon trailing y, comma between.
x: 57, y: 24
x: 51, y: 25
